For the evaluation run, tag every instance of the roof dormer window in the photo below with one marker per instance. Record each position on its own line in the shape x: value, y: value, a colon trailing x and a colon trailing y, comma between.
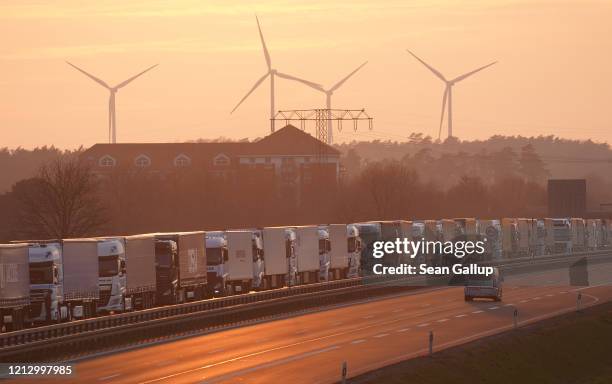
x: 142, y: 161
x: 221, y: 160
x: 182, y: 160
x: 107, y: 161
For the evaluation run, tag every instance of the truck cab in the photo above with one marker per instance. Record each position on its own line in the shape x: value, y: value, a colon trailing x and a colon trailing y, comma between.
x: 259, y: 281
x: 216, y: 257
x: 112, y: 276
x: 558, y: 232
x: 292, y: 269
x: 486, y: 287
x: 46, y: 284
x: 369, y: 233
x: 166, y: 271
x: 491, y: 230
x: 324, y: 254
x: 354, y: 251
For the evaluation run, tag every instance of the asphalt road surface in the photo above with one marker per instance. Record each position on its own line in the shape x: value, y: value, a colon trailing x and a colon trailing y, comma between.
x: 311, y: 348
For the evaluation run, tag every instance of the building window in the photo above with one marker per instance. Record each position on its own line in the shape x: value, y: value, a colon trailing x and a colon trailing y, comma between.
x: 107, y: 161
x: 182, y: 161
x: 142, y: 161
x: 221, y: 160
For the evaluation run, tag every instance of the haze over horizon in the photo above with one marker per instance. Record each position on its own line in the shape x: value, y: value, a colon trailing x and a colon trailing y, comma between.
x: 553, y: 75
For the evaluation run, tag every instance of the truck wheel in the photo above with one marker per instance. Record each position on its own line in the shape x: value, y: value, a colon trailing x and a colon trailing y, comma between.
x: 467, y: 298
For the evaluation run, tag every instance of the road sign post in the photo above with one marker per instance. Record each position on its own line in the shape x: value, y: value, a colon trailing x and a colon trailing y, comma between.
x: 344, y: 372
x: 515, y: 318
x: 578, y: 301
x: 431, y: 339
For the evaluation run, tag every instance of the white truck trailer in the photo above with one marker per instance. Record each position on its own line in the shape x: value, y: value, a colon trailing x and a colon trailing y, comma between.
x: 579, y: 237
x: 307, y: 253
x: 280, y: 257
x: 240, y: 261
x: 523, y: 227
x: 14, y: 286
x: 81, y: 286
x: 140, y: 272
x: 339, y: 255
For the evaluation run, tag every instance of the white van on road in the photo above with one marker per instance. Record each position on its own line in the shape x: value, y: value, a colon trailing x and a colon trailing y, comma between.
x: 486, y: 287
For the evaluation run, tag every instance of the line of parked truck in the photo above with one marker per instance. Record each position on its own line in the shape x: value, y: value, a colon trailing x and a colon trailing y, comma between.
x: 51, y: 281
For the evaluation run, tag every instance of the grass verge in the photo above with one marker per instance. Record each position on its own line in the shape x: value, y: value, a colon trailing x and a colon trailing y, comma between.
x: 573, y: 348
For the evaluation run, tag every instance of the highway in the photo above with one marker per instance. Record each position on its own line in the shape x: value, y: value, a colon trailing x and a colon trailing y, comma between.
x: 311, y: 348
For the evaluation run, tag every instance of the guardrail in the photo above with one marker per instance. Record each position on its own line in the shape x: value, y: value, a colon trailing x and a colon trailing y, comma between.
x: 44, y: 342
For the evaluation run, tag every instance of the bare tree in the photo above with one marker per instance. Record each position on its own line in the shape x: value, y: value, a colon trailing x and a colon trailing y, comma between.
x: 61, y: 202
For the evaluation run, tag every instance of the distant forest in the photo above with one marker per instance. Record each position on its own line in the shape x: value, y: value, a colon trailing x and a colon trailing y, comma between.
x: 498, y: 177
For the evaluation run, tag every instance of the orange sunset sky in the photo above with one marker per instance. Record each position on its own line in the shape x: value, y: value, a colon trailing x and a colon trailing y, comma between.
x: 554, y: 74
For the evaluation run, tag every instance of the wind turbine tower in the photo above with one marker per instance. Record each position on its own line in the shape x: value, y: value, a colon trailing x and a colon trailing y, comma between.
x: 272, y: 73
x: 447, y: 98
x: 112, y: 123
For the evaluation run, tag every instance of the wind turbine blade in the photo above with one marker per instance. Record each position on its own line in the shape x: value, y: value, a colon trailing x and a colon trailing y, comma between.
x: 457, y: 79
x: 251, y: 91
x: 263, y: 43
x: 97, y: 80
x: 308, y: 83
x: 338, y: 84
x: 432, y: 69
x: 126, y: 82
x: 444, y: 98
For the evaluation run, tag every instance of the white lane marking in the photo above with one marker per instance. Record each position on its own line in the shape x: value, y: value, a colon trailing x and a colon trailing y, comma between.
x: 423, y: 325
x: 442, y: 320
x: 368, y: 317
x: 461, y: 315
x: 403, y: 330
x: 523, y: 301
x: 478, y: 312
x: 537, y: 298
x: 493, y: 308
x: 358, y: 341
x: 336, y: 323
x: 563, y: 292
x: 381, y: 335
x: 224, y: 378
x: 109, y: 377
x: 508, y: 305
x: 425, y: 305
x: 549, y: 295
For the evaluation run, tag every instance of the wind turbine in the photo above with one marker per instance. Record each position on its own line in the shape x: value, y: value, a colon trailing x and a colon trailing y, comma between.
x: 272, y: 73
x: 448, y: 96
x: 328, y: 96
x: 112, y: 126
